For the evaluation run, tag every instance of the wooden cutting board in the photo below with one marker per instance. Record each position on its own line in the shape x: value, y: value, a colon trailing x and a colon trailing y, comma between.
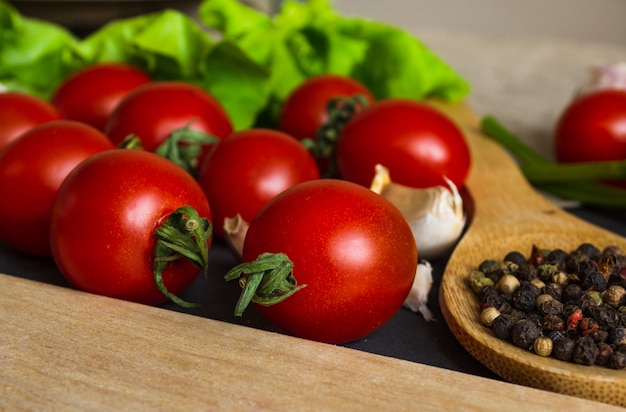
x: 62, y: 349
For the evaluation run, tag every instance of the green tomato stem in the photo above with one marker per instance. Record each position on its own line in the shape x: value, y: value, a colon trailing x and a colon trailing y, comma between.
x: 183, y: 235
x: 267, y: 280
x: 184, y: 146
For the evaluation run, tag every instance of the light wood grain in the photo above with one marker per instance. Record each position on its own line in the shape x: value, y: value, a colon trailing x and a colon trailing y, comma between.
x: 66, y: 350
x: 510, y: 215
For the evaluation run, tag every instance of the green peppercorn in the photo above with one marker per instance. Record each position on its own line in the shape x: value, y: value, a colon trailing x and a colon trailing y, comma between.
x: 488, y: 266
x: 546, y: 270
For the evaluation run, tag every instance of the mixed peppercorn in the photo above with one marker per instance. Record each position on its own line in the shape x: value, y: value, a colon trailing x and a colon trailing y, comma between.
x: 571, y: 306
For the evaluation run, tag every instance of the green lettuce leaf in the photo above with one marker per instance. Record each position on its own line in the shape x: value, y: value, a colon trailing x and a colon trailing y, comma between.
x: 257, y: 61
x: 309, y: 38
x: 33, y: 53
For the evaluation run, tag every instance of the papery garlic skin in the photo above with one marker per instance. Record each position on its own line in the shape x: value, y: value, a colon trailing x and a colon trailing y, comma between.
x: 435, y: 214
x: 417, y: 301
x: 606, y: 76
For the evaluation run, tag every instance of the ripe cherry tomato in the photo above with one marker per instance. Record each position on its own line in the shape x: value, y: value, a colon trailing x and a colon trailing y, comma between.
x: 417, y: 143
x: 154, y: 110
x: 31, y: 170
x: 91, y: 94
x: 249, y: 168
x: 20, y: 112
x: 593, y: 128
x: 304, y: 111
x: 352, y: 249
x: 104, y: 220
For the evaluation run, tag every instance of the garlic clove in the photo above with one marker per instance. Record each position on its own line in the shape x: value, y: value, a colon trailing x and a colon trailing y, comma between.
x: 417, y: 301
x: 435, y: 214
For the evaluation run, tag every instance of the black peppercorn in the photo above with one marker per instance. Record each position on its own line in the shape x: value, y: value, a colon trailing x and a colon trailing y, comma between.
x: 525, y: 296
x: 515, y: 257
x: 575, y: 260
x: 526, y: 272
x: 557, y: 255
x: 551, y: 307
x: 502, y: 326
x: 600, y: 336
x: 564, y: 349
x: 571, y: 293
x: 553, y: 289
x: 604, y: 353
x: 617, y: 336
x: 606, y: 316
x: 524, y: 333
x: 617, y: 360
x: 555, y: 335
x: 593, y: 279
x: 589, y: 249
x: 553, y: 322
x: 585, y: 351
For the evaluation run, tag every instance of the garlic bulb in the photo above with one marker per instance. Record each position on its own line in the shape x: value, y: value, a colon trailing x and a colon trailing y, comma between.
x: 435, y: 214
x: 606, y: 76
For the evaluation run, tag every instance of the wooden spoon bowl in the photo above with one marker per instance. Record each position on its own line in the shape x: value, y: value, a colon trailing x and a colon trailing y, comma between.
x: 510, y: 215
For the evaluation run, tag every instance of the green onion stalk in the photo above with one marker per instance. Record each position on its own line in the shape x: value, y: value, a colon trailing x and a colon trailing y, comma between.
x: 584, y: 182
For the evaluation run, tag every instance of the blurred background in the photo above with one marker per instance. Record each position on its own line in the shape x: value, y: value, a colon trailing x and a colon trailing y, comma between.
x: 596, y: 21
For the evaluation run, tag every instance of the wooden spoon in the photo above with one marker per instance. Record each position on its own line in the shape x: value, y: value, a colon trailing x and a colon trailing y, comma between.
x: 510, y: 215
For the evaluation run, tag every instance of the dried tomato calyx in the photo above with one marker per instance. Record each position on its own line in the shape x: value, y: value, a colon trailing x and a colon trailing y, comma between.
x: 184, y: 234
x: 184, y: 146
x: 266, y: 280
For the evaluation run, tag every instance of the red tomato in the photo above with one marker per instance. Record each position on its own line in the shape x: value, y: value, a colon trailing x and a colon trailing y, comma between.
x: 154, y: 110
x: 417, y: 143
x: 104, y: 220
x: 593, y: 128
x: 352, y: 248
x: 31, y: 170
x: 304, y: 111
x: 20, y: 112
x: 91, y: 94
x: 249, y: 168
